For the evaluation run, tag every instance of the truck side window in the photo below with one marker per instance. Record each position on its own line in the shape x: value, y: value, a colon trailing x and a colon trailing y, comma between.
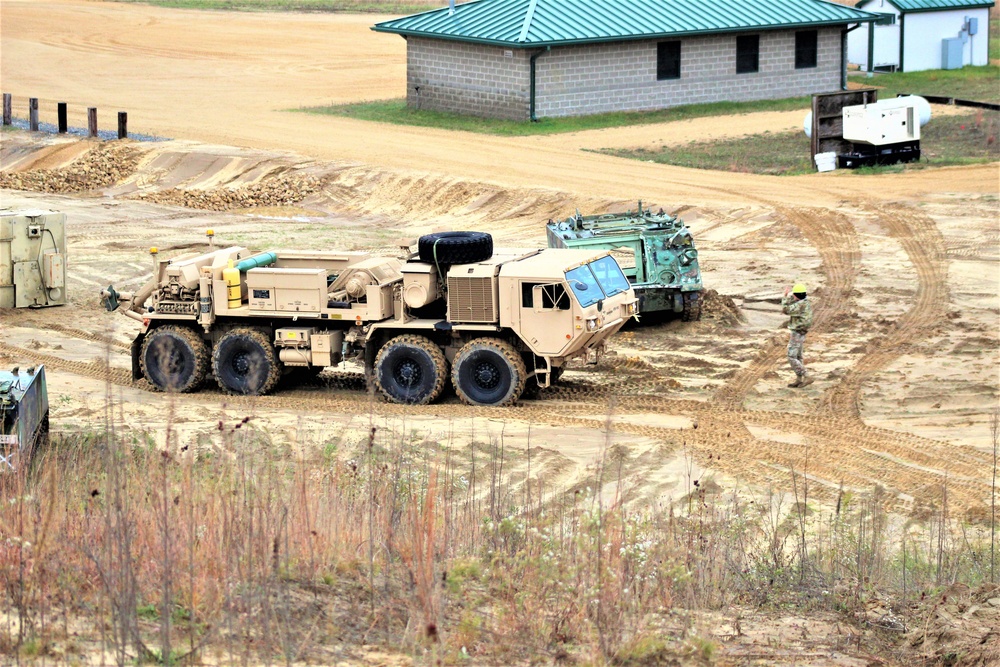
x: 554, y: 296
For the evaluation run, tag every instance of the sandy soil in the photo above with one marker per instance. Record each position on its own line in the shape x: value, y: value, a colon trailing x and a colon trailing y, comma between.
x: 906, y: 337
x: 903, y: 268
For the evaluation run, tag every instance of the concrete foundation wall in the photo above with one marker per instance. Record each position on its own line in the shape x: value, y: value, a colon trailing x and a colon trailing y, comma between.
x: 619, y: 76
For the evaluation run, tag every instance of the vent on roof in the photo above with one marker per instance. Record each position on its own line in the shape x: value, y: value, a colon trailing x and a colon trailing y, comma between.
x: 471, y: 300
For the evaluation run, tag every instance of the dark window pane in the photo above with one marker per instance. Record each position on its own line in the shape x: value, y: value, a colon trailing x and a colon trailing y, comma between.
x: 747, y: 53
x: 805, y: 49
x: 668, y: 60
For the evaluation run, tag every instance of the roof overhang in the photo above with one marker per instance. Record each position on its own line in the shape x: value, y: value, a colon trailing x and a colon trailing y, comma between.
x: 925, y: 10
x: 533, y: 24
x: 511, y: 44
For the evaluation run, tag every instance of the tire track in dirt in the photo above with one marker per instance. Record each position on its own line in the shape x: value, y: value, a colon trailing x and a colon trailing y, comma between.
x: 836, y: 241
x: 97, y: 370
x: 839, y: 450
x: 925, y: 247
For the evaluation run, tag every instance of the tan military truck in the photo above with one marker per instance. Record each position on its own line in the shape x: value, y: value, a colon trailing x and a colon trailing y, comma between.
x: 492, y: 321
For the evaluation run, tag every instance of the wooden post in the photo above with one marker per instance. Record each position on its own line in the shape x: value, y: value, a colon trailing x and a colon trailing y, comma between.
x: 61, y: 112
x: 92, y: 120
x: 6, y: 108
x: 33, y: 114
x: 122, y: 125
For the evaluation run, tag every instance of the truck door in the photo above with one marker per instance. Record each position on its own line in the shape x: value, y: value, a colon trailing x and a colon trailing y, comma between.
x: 546, y: 316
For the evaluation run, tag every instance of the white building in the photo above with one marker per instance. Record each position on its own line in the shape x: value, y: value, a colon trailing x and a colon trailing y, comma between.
x: 917, y: 35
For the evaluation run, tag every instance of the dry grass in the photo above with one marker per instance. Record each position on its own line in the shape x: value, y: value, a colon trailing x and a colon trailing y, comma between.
x: 234, y: 550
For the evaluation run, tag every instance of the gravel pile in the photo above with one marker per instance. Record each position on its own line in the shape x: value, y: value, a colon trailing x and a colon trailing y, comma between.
x: 100, y: 167
x: 275, y: 191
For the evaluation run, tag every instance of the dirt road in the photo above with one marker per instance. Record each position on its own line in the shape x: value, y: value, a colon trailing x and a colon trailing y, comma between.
x: 230, y: 78
x: 906, y: 340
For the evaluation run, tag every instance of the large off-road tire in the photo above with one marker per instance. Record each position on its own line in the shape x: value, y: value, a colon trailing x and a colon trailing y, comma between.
x: 455, y: 247
x: 692, y: 307
x: 410, y: 369
x: 488, y: 371
x: 174, y: 358
x: 245, y: 362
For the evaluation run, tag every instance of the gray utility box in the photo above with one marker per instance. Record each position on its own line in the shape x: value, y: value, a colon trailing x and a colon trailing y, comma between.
x: 952, y: 53
x: 32, y: 259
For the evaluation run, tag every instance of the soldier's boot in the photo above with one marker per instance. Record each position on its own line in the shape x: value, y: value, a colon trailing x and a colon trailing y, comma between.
x: 798, y: 381
x: 806, y: 380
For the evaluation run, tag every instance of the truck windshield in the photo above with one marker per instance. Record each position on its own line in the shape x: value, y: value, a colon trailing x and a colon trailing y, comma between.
x: 597, y: 280
x: 610, y: 275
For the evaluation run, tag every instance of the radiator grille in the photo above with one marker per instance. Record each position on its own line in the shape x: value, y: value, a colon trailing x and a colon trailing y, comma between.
x: 471, y: 300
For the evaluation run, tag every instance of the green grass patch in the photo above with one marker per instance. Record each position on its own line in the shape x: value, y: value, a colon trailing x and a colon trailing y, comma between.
x: 969, y: 83
x: 343, y: 6
x: 776, y: 153
x: 967, y: 139
x: 396, y: 112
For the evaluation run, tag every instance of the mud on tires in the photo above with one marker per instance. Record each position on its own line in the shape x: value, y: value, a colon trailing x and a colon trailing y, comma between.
x: 410, y: 369
x: 245, y: 362
x: 174, y: 358
x: 488, y: 371
x: 455, y: 247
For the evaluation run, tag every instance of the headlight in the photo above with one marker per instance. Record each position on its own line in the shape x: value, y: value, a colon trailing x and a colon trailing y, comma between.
x: 628, y: 309
x: 593, y: 323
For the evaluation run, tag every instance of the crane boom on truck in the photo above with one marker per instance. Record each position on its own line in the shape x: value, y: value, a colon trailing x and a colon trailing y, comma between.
x: 489, y: 321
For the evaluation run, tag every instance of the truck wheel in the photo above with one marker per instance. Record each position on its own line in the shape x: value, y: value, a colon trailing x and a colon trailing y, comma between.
x: 455, y: 247
x: 410, y: 369
x: 488, y: 371
x: 245, y: 362
x: 174, y: 358
x: 692, y: 307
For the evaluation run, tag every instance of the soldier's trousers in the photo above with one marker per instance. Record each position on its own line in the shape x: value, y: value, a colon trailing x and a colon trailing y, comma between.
x: 795, y: 343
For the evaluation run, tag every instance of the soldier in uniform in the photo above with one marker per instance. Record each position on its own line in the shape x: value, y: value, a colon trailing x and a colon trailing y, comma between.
x: 796, y: 305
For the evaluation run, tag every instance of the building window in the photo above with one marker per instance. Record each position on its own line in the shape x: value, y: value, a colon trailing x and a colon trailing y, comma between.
x: 885, y: 19
x: 805, y: 49
x: 747, y: 53
x: 668, y: 60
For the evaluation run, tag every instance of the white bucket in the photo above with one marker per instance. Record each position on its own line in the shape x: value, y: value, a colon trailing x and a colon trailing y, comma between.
x: 826, y: 161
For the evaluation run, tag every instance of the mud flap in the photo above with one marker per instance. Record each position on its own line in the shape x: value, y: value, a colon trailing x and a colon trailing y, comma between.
x: 136, y: 351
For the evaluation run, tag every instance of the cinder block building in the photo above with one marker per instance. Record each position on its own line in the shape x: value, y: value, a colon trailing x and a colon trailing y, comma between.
x: 521, y: 59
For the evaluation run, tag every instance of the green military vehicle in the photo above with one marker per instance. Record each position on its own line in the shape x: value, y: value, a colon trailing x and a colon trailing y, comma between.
x: 664, y: 271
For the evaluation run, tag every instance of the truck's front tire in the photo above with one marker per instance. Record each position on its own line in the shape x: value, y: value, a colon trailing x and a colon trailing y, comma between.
x: 245, y: 362
x: 410, y: 369
x: 174, y: 358
x: 488, y: 371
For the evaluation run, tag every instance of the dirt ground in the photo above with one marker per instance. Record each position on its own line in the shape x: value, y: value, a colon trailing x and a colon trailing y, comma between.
x: 903, y: 267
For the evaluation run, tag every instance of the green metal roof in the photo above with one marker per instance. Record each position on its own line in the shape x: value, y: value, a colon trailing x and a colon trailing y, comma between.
x: 912, y: 6
x: 533, y: 23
